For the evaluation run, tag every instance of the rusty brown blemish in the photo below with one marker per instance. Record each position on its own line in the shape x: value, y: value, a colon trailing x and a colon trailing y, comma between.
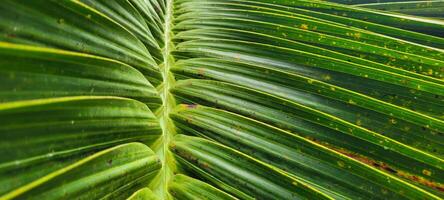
x: 391, y: 170
x: 426, y: 172
x: 186, y: 155
x: 204, y: 165
x: 191, y: 106
x: 201, y: 72
x: 385, y: 167
x: 10, y: 35
x: 173, y: 146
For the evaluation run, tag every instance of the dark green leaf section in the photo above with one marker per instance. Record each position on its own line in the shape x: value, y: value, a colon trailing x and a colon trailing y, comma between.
x: 78, y: 77
x: 75, y: 26
x: 239, y: 171
x: 42, y: 136
x: 127, y: 14
x: 403, y: 125
x: 187, y: 188
x: 430, y: 8
x: 300, y: 28
x: 321, y: 127
x: 329, y: 71
x: 303, y: 100
x: 340, y: 26
x: 352, y: 2
x: 111, y: 173
x: 425, y: 8
x: 282, y: 47
x: 311, y: 163
x: 417, y: 24
x: 366, y: 91
x: 29, y: 72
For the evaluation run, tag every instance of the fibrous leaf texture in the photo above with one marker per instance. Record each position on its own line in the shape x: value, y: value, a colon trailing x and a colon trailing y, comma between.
x: 221, y: 99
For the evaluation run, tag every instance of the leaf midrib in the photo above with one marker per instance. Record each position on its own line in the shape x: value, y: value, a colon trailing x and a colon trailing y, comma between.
x: 166, y: 104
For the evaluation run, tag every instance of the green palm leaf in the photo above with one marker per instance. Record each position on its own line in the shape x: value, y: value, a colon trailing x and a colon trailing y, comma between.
x: 221, y: 99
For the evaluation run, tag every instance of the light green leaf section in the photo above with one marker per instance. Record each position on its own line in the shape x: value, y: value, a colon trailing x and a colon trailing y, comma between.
x: 75, y: 26
x: 143, y: 194
x: 77, y: 87
x: 184, y: 187
x: 244, y: 173
x: 48, y: 135
x: 126, y: 14
x: 110, y: 173
x: 67, y: 73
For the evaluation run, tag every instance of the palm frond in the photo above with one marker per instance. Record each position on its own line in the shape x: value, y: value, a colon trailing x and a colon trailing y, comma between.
x: 221, y: 99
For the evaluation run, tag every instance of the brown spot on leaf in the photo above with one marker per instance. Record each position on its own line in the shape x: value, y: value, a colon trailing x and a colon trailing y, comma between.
x: 426, y: 172
x: 385, y: 167
x: 191, y: 106
x: 11, y: 35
